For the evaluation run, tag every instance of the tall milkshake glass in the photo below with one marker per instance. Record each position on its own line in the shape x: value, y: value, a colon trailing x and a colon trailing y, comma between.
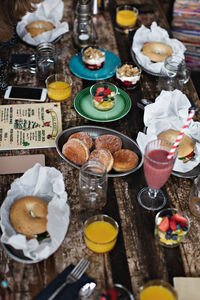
x: 157, y: 169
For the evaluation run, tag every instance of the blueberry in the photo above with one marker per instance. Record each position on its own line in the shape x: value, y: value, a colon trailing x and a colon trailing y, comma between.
x: 168, y: 215
x: 105, y: 86
x: 169, y: 231
x: 93, y: 93
x: 100, y: 94
x: 112, y: 98
x: 168, y: 236
x: 174, y: 237
x: 184, y: 228
x: 105, y: 99
x: 178, y: 226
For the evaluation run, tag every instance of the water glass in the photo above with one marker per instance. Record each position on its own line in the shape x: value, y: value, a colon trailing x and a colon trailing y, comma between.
x: 92, y: 188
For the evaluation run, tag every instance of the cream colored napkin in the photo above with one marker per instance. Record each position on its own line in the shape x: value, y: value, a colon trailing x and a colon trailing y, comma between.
x: 48, y: 10
x: 154, y: 34
x: 188, y: 288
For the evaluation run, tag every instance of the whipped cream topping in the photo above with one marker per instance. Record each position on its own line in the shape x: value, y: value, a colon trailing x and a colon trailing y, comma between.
x: 128, y: 73
x: 93, y: 56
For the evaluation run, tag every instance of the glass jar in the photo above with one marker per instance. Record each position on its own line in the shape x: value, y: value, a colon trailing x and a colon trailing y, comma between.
x: 194, y: 198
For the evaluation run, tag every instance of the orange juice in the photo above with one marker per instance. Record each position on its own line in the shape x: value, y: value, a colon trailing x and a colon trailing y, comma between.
x: 59, y: 90
x: 100, y: 236
x: 156, y: 292
x: 126, y: 18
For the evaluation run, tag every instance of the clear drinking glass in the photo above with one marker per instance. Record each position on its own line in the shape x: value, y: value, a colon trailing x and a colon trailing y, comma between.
x: 157, y: 289
x: 92, y: 188
x: 157, y: 169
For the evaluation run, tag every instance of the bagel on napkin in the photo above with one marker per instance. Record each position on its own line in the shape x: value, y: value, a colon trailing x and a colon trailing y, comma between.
x: 156, y: 51
x: 186, y: 146
x: 28, y: 215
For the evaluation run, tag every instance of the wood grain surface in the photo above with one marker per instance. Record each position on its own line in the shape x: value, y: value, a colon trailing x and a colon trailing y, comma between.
x: 136, y: 257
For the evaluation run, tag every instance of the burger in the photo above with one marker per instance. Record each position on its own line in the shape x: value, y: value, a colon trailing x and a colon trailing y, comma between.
x: 186, y: 146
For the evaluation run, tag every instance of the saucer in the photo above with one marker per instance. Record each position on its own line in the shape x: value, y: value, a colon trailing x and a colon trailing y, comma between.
x: 108, y: 70
x: 84, y: 107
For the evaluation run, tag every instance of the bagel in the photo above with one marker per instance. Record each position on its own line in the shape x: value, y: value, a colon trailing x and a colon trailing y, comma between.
x: 108, y: 141
x: 124, y: 160
x: 38, y: 27
x: 156, y: 51
x: 104, y: 156
x: 76, y: 151
x: 28, y: 215
x: 84, y: 137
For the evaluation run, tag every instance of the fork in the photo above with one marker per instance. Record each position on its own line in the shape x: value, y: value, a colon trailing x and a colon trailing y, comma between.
x: 72, y: 277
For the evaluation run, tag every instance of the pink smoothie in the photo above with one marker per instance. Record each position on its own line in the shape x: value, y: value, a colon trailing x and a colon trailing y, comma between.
x: 157, y: 174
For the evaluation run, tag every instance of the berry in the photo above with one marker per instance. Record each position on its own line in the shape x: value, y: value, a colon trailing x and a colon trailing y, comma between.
x: 168, y: 236
x: 174, y: 237
x: 184, y: 224
x: 178, y: 226
x: 99, y: 90
x: 172, y: 223
x: 164, y: 225
x: 105, y: 86
x: 169, y: 231
x: 101, y: 94
x: 184, y: 228
x: 180, y: 218
x: 107, y: 91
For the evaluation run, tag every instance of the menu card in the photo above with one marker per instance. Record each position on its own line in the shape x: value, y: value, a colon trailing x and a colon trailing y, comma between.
x: 27, y: 126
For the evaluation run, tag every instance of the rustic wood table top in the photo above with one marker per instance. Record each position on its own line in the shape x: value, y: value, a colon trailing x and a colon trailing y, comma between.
x: 137, y: 257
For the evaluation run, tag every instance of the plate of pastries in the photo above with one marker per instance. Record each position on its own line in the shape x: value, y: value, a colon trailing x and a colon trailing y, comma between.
x: 119, y: 153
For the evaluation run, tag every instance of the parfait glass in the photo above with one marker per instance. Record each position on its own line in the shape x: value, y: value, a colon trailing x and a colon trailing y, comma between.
x: 157, y: 169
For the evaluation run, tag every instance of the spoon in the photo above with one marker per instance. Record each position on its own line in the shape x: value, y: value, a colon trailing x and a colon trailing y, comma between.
x: 86, y: 290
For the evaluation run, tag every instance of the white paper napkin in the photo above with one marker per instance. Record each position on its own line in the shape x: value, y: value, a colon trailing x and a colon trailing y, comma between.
x: 188, y: 288
x: 170, y: 111
x: 154, y: 34
x: 48, y: 10
x: 45, y: 183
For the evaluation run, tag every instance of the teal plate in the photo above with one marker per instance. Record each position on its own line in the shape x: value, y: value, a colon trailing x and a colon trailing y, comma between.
x: 84, y: 107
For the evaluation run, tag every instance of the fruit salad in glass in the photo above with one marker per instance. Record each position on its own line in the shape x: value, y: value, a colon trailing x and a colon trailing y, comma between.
x: 171, y: 226
x: 103, y: 95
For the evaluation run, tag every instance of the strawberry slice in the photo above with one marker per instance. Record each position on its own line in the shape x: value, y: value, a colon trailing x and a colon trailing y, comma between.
x: 164, y: 225
x: 107, y: 91
x: 172, y: 223
x: 98, y: 99
x: 180, y: 218
x: 99, y: 90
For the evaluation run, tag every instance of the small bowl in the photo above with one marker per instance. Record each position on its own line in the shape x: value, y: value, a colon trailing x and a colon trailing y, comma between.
x: 126, y: 16
x: 59, y: 87
x: 128, y: 75
x: 100, y: 233
x: 171, y: 233
x: 103, y: 95
x: 93, y: 57
x: 157, y: 289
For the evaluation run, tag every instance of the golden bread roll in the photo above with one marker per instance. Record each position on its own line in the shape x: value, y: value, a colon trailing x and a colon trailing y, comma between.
x: 38, y: 27
x: 156, y: 51
x: 124, y: 160
x: 108, y: 141
x: 104, y: 156
x: 84, y: 137
x: 28, y: 215
x: 76, y: 151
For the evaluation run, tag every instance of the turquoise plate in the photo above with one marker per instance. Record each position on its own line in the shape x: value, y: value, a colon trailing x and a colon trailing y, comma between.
x: 109, y: 69
x: 84, y: 107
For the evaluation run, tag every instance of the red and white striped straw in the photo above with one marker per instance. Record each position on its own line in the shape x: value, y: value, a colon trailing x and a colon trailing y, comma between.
x: 177, y: 142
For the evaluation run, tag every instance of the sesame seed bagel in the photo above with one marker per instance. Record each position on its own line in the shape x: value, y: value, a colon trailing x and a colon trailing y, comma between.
x: 28, y: 215
x: 124, y: 160
x: 76, y: 151
x: 104, y: 156
x: 156, y: 51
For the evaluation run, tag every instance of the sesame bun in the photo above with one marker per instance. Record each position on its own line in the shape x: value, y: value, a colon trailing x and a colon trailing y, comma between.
x: 104, y: 156
x: 124, y: 160
x: 28, y: 215
x: 186, y: 145
x: 76, y: 151
x: 156, y: 51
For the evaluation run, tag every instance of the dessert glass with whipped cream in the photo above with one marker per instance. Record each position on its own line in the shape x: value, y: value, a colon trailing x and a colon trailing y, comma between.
x: 128, y: 75
x: 93, y: 58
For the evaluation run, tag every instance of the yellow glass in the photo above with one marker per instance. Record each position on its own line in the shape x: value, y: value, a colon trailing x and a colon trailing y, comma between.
x: 100, y: 233
x: 126, y: 16
x: 156, y: 290
x: 59, y: 87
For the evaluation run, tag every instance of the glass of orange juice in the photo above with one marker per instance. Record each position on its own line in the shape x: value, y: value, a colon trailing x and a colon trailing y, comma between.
x: 156, y: 290
x: 126, y: 16
x: 59, y: 87
x: 100, y: 233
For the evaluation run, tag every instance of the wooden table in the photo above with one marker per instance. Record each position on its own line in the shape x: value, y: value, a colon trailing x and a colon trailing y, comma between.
x: 136, y: 257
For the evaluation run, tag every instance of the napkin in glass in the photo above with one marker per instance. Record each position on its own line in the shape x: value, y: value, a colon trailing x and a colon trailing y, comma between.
x: 154, y: 34
x: 69, y: 292
x: 48, y: 10
x: 188, y: 288
x: 48, y: 184
x: 170, y: 111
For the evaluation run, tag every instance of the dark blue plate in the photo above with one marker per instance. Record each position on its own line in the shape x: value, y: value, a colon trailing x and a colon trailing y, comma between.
x: 109, y: 69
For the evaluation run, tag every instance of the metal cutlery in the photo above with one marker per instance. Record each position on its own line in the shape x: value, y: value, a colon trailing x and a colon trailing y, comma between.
x: 74, y: 276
